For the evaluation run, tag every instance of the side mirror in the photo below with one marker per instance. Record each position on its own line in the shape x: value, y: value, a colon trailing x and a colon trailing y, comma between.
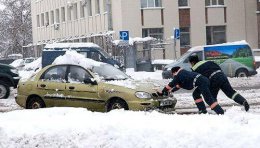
x: 89, y: 81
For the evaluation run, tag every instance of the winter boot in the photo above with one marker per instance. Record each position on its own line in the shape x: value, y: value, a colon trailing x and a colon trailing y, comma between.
x: 242, y: 101
x: 201, y: 106
x: 218, y: 110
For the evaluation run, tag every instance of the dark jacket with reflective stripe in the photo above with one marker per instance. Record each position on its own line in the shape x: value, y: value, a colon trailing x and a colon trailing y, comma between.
x: 206, y: 68
x: 184, y: 79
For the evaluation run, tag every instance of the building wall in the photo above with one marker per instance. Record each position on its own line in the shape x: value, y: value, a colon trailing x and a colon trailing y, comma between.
x: 239, y: 17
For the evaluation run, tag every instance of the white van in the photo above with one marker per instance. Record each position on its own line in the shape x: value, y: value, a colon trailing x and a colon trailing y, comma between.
x: 235, y: 59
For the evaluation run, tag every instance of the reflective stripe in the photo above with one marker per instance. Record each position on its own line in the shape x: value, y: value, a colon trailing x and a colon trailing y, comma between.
x: 198, y: 100
x: 212, y: 106
x: 195, y: 79
x: 198, y: 65
x: 235, y: 94
x: 168, y: 87
x: 214, y: 73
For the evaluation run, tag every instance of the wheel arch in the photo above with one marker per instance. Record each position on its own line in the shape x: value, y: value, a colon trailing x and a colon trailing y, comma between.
x: 242, y: 69
x: 113, y: 99
x: 30, y: 97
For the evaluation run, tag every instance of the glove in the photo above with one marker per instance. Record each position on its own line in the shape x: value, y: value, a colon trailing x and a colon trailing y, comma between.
x: 165, y: 92
x: 159, y: 93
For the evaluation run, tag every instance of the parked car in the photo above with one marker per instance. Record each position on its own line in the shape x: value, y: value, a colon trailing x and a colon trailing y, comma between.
x: 90, y: 50
x: 9, y: 77
x: 103, y: 88
x: 236, y: 59
x: 20, y: 63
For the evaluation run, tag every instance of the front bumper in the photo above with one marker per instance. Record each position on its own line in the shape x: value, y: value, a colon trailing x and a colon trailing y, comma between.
x: 251, y: 73
x: 166, y: 104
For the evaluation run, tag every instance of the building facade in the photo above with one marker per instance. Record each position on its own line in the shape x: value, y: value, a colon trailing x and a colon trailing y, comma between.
x: 200, y: 21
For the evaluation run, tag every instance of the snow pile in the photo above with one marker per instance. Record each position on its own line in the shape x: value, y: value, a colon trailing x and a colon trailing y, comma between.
x: 70, y: 45
x: 77, y: 127
x: 17, y: 63
x: 133, y: 40
x: 142, y: 75
x: 72, y: 57
x: 163, y: 61
x: 36, y: 64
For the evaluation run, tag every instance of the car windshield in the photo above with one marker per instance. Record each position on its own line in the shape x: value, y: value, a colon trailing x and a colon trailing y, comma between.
x: 183, y: 57
x: 105, y: 54
x: 109, y: 72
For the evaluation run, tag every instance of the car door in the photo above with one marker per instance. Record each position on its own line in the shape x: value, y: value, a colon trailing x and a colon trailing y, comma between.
x: 81, y: 94
x: 52, y: 85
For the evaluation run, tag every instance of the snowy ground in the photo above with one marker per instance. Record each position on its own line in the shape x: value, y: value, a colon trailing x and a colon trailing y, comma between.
x: 77, y: 127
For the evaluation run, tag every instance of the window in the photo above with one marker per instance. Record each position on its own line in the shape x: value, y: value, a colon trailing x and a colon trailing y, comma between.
x: 105, y: 5
x: 214, y: 2
x: 97, y: 7
x: 55, y: 74
x: 62, y: 14
x: 42, y: 19
x: 77, y: 75
x: 89, y: 8
x: 38, y: 20
x: 75, y: 11
x: 153, y: 32
x: 216, y: 34
x: 69, y: 10
x: 82, y: 9
x: 52, y: 17
x: 151, y: 3
x: 47, y: 19
x: 57, y: 13
x: 183, y: 3
x: 185, y: 36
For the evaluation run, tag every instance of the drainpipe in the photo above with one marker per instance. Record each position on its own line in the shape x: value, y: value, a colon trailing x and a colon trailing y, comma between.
x: 109, y: 15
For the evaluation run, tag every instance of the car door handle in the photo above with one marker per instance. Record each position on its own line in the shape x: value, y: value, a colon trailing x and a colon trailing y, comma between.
x: 71, y: 87
x: 43, y: 85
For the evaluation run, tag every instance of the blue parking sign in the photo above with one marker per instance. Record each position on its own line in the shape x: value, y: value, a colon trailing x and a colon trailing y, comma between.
x: 124, y: 35
x: 176, y: 33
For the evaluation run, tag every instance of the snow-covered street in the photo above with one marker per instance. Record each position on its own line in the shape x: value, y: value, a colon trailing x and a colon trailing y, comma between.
x: 78, y: 127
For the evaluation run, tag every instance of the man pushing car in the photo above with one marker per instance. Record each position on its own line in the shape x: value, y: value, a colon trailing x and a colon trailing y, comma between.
x: 189, y: 80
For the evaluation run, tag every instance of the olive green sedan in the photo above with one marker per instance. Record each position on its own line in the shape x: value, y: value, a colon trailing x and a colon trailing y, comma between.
x: 101, y: 88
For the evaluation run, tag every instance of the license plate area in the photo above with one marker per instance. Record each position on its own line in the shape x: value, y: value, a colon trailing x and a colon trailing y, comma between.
x: 166, y: 103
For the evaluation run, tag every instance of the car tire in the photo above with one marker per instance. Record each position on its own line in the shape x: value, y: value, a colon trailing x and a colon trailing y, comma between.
x: 35, y: 103
x: 241, y: 73
x: 117, y: 104
x: 4, y: 90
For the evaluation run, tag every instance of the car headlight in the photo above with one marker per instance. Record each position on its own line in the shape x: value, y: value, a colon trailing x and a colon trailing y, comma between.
x: 15, y: 71
x: 143, y: 95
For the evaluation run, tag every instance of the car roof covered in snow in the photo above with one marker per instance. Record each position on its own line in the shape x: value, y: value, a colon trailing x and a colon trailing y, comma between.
x: 199, y: 48
x: 71, y: 45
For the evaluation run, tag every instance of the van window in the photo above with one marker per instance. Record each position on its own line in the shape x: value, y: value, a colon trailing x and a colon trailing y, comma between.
x: 199, y: 54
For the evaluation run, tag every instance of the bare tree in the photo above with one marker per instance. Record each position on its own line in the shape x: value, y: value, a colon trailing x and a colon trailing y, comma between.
x: 15, y: 25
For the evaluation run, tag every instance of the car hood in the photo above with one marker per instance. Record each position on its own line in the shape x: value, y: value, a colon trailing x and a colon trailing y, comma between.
x: 136, y: 85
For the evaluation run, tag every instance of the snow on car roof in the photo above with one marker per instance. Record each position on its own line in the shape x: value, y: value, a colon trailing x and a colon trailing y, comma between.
x: 199, y: 48
x: 71, y: 45
x: 72, y: 57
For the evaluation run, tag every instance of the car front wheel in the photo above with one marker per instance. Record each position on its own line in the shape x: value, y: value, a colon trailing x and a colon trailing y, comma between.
x: 117, y: 104
x: 35, y: 103
x: 4, y: 90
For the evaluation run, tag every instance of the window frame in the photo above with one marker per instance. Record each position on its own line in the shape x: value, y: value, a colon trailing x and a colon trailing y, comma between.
x: 79, y: 67
x: 188, y: 3
x: 213, y: 33
x: 150, y: 33
x: 209, y: 3
x: 185, y: 33
x: 154, y: 4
